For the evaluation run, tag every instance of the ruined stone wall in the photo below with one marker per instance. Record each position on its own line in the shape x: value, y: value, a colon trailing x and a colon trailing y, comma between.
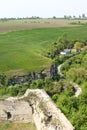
x: 35, y: 106
x: 46, y: 115
x: 15, y: 110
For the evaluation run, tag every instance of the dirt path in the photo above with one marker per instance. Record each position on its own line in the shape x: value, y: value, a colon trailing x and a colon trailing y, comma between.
x: 78, y: 90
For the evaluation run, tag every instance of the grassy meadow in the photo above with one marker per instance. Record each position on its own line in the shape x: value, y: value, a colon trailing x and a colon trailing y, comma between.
x: 24, y: 51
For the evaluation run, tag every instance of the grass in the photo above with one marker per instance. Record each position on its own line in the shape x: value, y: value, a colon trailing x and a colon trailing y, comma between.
x: 17, y: 126
x: 23, y: 51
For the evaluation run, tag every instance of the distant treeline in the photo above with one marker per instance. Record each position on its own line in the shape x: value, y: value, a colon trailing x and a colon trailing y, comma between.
x: 6, y: 19
x: 82, y: 17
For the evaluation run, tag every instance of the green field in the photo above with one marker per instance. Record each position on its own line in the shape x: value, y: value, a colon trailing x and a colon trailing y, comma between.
x: 24, y: 51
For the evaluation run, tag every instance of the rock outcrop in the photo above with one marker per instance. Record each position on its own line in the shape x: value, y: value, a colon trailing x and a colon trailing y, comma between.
x: 27, y: 79
x: 51, y: 72
x: 35, y: 106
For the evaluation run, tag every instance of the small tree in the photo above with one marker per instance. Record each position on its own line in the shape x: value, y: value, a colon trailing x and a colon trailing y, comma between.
x: 83, y: 16
x: 77, y: 46
x: 65, y: 17
x: 54, y: 17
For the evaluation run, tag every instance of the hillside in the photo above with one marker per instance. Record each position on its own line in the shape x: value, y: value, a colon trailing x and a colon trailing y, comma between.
x: 75, y: 70
x: 24, y: 51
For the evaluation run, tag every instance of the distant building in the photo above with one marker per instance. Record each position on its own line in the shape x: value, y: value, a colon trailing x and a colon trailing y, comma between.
x: 66, y: 52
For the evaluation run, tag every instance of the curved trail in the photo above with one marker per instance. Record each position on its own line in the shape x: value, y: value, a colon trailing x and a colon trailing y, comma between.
x: 78, y: 90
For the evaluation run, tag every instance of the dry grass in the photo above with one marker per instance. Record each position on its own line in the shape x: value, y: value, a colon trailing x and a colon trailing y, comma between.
x: 11, y: 25
x: 17, y: 126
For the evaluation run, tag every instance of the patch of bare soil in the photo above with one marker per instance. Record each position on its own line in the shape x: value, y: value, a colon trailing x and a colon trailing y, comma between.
x: 12, y: 25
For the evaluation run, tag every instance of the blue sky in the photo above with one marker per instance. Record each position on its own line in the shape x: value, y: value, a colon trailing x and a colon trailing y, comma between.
x: 42, y: 8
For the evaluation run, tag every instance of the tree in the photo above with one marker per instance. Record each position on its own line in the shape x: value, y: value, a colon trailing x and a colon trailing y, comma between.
x: 77, y: 46
x: 65, y: 17
x: 54, y: 17
x: 83, y: 16
x: 70, y: 17
x: 85, y: 50
x: 74, y: 16
x: 79, y: 16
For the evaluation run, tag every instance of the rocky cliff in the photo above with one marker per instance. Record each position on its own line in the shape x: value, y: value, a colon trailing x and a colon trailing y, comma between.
x: 27, y: 79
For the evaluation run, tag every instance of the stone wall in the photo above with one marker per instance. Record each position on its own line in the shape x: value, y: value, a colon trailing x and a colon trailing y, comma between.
x: 35, y: 106
x: 15, y: 110
x: 46, y: 115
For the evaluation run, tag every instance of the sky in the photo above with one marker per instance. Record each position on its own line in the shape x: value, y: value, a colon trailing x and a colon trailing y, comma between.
x: 42, y: 8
